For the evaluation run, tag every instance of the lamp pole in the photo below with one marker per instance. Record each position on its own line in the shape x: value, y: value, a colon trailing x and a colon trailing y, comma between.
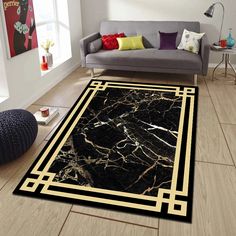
x: 222, y: 18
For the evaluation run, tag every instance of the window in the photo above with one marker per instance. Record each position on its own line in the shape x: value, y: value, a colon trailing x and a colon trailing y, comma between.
x: 52, y: 22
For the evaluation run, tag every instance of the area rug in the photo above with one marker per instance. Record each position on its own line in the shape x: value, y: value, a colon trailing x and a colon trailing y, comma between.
x: 125, y: 146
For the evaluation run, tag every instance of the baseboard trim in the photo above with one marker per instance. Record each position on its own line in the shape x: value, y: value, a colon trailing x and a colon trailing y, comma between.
x: 51, y: 85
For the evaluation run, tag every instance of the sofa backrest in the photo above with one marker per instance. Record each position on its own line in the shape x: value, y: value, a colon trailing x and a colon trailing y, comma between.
x: 148, y: 29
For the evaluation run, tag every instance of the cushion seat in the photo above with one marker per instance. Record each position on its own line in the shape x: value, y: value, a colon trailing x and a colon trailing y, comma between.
x: 18, y: 130
x: 152, y: 57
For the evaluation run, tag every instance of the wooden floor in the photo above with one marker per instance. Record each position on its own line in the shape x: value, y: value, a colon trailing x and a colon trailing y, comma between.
x: 214, y: 205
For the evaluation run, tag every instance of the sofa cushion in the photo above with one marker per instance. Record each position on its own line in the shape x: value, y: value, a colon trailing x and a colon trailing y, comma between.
x: 149, y: 38
x: 95, y: 46
x: 151, y: 57
x: 110, y: 42
x: 168, y: 40
x: 149, y: 29
x: 190, y: 41
x: 130, y: 43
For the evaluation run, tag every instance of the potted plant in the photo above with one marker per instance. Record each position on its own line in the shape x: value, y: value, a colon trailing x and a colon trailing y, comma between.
x: 46, y: 46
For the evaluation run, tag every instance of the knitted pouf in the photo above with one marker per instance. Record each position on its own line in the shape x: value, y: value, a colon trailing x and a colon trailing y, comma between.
x: 18, y: 131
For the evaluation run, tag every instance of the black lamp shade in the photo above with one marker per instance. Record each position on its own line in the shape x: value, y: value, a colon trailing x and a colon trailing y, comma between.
x: 210, y: 11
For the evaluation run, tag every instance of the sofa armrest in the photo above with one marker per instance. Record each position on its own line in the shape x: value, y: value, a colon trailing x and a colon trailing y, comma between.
x: 204, y: 53
x: 84, y: 46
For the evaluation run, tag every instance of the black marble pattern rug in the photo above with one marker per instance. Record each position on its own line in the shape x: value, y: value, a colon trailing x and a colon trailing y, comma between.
x: 126, y: 146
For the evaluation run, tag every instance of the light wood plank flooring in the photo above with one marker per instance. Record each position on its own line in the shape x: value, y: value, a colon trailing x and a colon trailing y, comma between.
x: 214, y: 208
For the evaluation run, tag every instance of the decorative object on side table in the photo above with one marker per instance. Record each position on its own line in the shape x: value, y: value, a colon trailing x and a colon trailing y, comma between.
x: 223, y: 43
x: 230, y: 39
x: 45, y: 115
x: 210, y: 13
x: 46, y: 46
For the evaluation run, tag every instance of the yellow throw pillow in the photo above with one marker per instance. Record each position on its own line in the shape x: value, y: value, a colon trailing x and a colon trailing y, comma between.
x: 130, y: 43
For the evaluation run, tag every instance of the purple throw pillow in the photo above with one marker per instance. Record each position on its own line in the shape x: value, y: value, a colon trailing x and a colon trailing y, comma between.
x: 168, y: 40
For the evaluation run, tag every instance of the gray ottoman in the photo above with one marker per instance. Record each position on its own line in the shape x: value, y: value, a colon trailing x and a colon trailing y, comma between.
x: 18, y: 131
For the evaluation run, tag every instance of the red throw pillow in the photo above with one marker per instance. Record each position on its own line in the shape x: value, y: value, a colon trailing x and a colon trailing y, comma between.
x: 109, y: 42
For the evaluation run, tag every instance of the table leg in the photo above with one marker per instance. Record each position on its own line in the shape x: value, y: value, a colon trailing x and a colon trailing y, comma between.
x: 213, y: 74
x: 232, y: 69
x: 226, y: 64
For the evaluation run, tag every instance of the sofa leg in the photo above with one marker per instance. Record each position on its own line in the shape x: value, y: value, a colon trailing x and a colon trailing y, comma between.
x: 195, y: 79
x: 92, y: 72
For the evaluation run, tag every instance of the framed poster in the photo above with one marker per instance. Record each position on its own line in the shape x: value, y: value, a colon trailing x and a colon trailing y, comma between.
x: 20, y: 26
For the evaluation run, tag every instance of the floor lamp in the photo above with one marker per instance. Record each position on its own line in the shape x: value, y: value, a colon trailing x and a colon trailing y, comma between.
x: 210, y: 13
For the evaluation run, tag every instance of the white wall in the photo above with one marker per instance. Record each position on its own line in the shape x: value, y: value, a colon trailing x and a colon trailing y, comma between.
x: 3, y: 79
x: 93, y: 11
x: 23, y: 71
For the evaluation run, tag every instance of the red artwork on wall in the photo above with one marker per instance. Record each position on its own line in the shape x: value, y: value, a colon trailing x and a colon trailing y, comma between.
x: 20, y: 26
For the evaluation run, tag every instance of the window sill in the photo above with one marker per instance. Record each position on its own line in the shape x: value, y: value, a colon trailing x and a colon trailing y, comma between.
x: 55, y: 65
x: 2, y: 99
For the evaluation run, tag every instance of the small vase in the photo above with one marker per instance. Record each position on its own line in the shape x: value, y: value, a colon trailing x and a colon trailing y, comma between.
x: 230, y: 40
x: 44, y: 64
x: 49, y: 59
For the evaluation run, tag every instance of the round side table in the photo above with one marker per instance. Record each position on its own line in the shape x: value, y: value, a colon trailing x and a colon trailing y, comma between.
x: 225, y: 60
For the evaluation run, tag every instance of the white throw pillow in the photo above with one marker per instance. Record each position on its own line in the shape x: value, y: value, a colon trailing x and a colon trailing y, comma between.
x: 190, y: 41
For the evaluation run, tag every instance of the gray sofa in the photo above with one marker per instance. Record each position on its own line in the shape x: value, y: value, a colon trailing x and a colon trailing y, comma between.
x: 149, y: 59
